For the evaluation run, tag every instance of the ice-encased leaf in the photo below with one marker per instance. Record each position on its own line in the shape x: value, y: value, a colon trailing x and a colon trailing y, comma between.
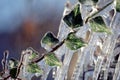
x: 34, y: 68
x: 49, y: 39
x: 74, y: 19
x: 74, y: 43
x: 52, y: 60
x: 98, y: 25
x: 13, y: 63
x: 118, y: 5
x: 95, y: 1
x: 13, y: 72
x: 82, y: 1
x: 32, y: 56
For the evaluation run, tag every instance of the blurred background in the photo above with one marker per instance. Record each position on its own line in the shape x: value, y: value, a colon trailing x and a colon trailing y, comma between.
x: 24, y: 22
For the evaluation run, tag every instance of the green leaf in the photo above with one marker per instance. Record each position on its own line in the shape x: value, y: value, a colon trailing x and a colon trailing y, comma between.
x: 34, y: 68
x: 49, y: 39
x: 98, y: 25
x: 118, y: 5
x: 32, y: 56
x: 52, y: 60
x: 74, y: 43
x: 74, y: 19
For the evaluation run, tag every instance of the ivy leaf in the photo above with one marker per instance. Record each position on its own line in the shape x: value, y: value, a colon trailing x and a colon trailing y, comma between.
x: 74, y: 19
x: 49, y: 39
x: 98, y: 25
x: 118, y: 5
x: 52, y: 60
x: 32, y: 56
x: 74, y: 43
x: 34, y: 68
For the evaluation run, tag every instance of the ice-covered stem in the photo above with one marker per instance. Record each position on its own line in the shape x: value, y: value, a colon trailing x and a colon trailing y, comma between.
x: 43, y: 55
x: 21, y: 62
x: 6, y: 78
x: 99, y: 10
x: 4, y: 61
x: 116, y: 75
